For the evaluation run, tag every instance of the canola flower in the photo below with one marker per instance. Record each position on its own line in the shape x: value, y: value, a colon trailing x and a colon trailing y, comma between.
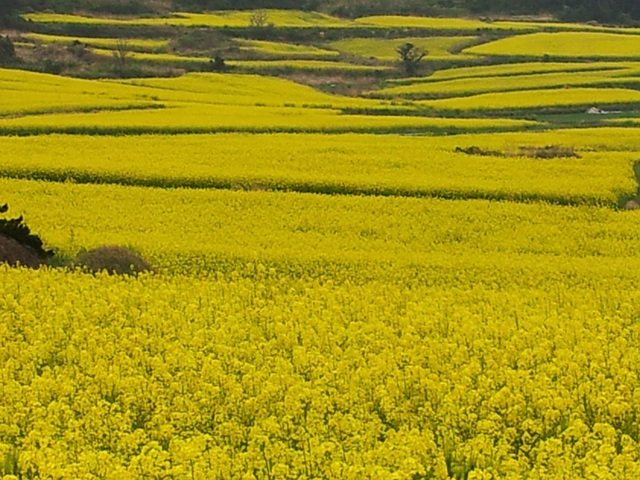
x: 579, y: 97
x: 471, y: 85
x: 179, y: 229
x: 259, y: 374
x: 225, y: 18
x: 359, y: 164
x: 520, y: 68
x: 563, y: 45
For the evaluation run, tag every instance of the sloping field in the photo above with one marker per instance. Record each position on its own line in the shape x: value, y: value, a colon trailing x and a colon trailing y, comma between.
x: 348, y: 164
x: 204, y: 88
x: 250, y: 65
x: 574, y: 98
x: 137, y: 44
x: 281, y: 49
x: 190, y: 118
x: 202, y: 102
x: 280, y: 18
x: 563, y: 45
x: 471, y: 85
x: 458, y: 24
x: 443, y: 304
x: 167, y: 224
x: 509, y: 69
x: 268, y: 66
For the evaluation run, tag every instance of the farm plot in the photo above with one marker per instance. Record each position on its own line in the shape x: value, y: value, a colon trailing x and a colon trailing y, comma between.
x: 563, y: 45
x: 540, y: 100
x: 135, y: 44
x: 288, y: 50
x: 457, y: 305
x: 348, y: 164
x: 472, y: 85
x: 280, y: 18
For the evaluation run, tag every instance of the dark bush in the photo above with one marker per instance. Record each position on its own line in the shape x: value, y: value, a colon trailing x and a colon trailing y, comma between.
x: 7, y: 50
x: 18, y: 246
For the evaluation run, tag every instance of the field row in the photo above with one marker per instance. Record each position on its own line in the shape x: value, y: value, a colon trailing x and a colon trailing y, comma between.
x: 348, y: 164
x: 181, y: 230
x: 292, y: 335
x: 299, y: 19
x: 621, y: 78
x: 200, y: 101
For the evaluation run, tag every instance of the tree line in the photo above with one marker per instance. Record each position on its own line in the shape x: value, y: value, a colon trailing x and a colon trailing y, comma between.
x: 604, y: 11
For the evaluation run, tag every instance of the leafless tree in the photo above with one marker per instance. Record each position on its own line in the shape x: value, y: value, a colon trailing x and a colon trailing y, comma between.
x: 410, y: 57
x: 258, y: 19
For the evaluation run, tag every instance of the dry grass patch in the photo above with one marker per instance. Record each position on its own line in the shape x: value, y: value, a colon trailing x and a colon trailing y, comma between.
x: 112, y: 259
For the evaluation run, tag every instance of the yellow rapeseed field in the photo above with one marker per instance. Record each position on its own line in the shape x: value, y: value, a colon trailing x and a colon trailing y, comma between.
x: 539, y: 99
x: 563, y: 45
x: 390, y: 165
x: 143, y: 44
x: 280, y: 18
x: 325, y: 337
x: 507, y: 83
x: 281, y: 49
x: 343, y: 288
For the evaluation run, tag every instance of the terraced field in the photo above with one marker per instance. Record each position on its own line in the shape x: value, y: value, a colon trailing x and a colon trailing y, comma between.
x: 136, y: 44
x: 506, y: 83
x: 565, y: 45
x: 280, y: 18
x: 435, y: 280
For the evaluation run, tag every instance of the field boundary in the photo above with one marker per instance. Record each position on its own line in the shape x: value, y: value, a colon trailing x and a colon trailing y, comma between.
x: 257, y: 184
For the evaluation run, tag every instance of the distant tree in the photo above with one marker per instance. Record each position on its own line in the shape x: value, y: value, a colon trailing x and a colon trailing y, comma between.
x: 121, y: 53
x: 410, y: 57
x: 7, y: 50
x: 217, y: 64
x: 258, y: 19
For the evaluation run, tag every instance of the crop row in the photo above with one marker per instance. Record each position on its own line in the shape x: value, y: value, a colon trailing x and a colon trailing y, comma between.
x: 349, y: 164
x: 563, y: 45
x: 168, y: 225
x: 471, y: 85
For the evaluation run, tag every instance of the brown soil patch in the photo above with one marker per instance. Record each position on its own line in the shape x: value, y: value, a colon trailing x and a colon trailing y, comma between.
x: 13, y: 253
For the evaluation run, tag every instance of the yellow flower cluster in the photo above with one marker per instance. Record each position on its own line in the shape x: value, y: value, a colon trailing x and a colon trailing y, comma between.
x: 267, y: 372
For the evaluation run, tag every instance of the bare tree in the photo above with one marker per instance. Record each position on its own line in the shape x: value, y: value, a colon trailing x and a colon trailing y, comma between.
x: 258, y: 19
x: 410, y: 56
x: 122, y: 53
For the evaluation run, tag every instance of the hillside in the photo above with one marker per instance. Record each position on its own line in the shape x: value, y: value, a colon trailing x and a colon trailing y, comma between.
x: 611, y: 11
